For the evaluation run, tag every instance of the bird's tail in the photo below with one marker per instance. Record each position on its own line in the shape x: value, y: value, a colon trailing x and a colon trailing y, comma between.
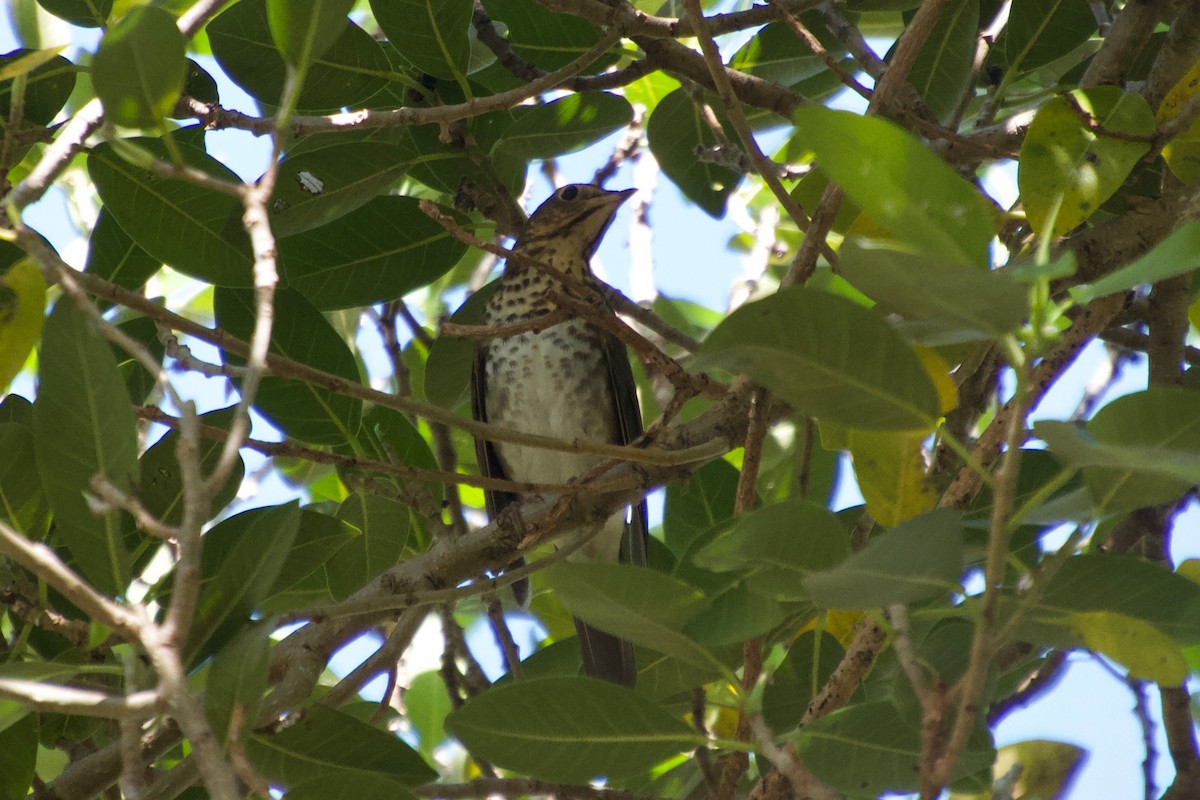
x: 605, y: 656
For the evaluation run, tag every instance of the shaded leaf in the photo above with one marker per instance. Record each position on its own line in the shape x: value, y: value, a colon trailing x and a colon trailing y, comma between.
x: 84, y: 13
x: 694, y: 508
x: 327, y: 743
x: 778, y: 545
x: 911, y: 192
x: 942, y: 69
x: 432, y: 34
x: 1040, y: 31
x: 1177, y: 254
x: 869, y: 748
x: 569, y: 729
x: 810, y: 661
x: 197, y: 231
x: 953, y: 294
x: 237, y: 677
x: 828, y: 358
x: 84, y: 426
x: 306, y: 411
x: 47, y: 86
x: 352, y: 70
x: 563, y: 125
x: 638, y: 604
x: 305, y: 29
x: 674, y: 131
x: 114, y: 256
x: 916, y: 560
x: 242, y: 557
x: 315, y: 187
x: 139, y: 70
x: 380, y: 251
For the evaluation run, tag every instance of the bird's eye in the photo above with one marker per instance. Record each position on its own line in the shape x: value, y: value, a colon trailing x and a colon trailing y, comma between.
x: 569, y: 193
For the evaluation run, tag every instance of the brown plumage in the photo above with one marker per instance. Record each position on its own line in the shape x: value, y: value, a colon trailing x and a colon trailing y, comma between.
x: 571, y: 380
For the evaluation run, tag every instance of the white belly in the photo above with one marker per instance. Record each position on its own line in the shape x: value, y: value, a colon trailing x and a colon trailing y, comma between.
x: 545, y: 383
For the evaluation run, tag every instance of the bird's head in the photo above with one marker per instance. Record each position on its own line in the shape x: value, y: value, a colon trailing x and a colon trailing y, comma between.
x: 572, y: 220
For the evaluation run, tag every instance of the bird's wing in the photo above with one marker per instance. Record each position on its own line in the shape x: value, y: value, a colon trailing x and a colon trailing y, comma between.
x: 627, y: 423
x: 489, y: 463
x: 485, y: 451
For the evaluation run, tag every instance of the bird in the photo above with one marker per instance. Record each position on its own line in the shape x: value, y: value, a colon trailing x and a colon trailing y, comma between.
x: 571, y: 380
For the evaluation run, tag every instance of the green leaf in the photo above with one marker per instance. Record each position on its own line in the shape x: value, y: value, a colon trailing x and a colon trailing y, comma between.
x: 432, y: 34
x: 327, y: 743
x: 1147, y: 592
x: 828, y: 358
x: 308, y: 412
x: 638, y: 604
x: 349, y: 787
x: 160, y: 486
x: 378, y: 252
x: 381, y: 530
x: 237, y: 677
x: 734, y: 616
x: 21, y: 496
x: 1067, y: 170
x: 569, y: 729
x: 916, y: 560
x: 302, y: 579
x: 809, y: 663
x: 778, y: 546
x: 394, y: 438
x: 775, y: 55
x: 47, y: 87
x: 1148, y: 654
x: 1139, y: 450
x: 241, y: 560
x: 542, y: 37
x: 114, y: 256
x: 304, y: 30
x: 1177, y: 254
x: 139, y: 70
x: 954, y: 295
x: 353, y: 69
x: 84, y: 13
x: 195, y: 230
x: 1041, y: 31
x: 942, y: 69
x: 674, y: 131
x: 564, y: 125
x: 448, y: 368
x: 870, y: 749
x: 695, y: 508
x: 316, y: 187
x: 428, y: 702
x: 912, y: 193
x: 18, y: 758
x: 84, y: 426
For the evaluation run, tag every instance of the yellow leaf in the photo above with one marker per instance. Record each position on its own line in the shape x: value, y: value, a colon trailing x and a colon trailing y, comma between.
x: 1190, y: 569
x: 22, y: 313
x: 838, y: 624
x: 29, y: 62
x: 1144, y: 650
x: 1182, y: 153
x: 890, y: 468
x: 1044, y: 769
x: 939, y: 372
x: 1194, y: 314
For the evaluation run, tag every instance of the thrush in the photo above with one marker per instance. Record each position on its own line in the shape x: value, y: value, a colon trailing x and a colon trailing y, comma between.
x: 571, y: 380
